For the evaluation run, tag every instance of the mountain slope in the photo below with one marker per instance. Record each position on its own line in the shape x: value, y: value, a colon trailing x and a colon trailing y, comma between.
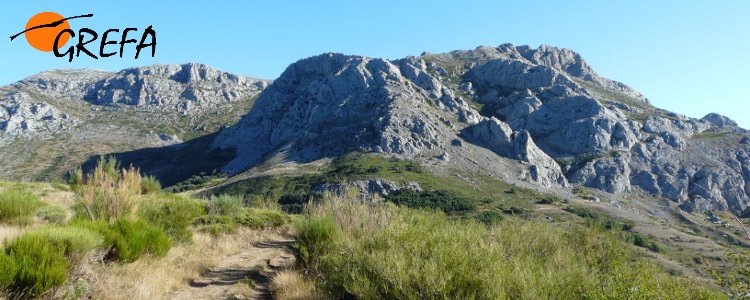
x: 536, y: 117
x: 529, y: 105
x: 54, y: 121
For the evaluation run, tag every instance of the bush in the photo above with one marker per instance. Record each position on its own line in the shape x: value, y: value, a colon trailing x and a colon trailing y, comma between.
x: 173, y: 214
x: 128, y: 241
x: 17, y: 204
x: 645, y: 242
x: 313, y: 234
x: 549, y: 199
x: 216, y: 225
x: 490, y: 217
x: 75, y: 241
x: 293, y: 203
x: 41, y: 264
x: 446, y: 201
x: 53, y: 214
x: 150, y: 185
x: 8, y: 271
x: 108, y: 193
x: 583, y: 212
x: 260, y: 218
x: 225, y: 205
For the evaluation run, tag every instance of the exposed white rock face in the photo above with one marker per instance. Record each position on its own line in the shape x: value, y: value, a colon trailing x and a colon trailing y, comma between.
x: 333, y: 103
x: 501, y: 139
x: 574, y: 114
x: 720, y: 121
x: 26, y: 107
x: 21, y: 115
x: 545, y: 108
x: 366, y: 188
x: 185, y: 87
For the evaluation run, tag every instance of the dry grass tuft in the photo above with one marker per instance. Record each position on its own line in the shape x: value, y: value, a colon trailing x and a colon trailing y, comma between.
x: 108, y: 193
x: 291, y: 285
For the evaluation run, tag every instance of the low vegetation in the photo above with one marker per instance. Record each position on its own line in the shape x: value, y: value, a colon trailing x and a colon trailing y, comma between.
x: 390, y: 252
x: 18, y: 205
x: 119, y: 218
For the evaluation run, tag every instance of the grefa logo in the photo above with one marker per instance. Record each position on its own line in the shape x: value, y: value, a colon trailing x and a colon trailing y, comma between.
x: 50, y: 32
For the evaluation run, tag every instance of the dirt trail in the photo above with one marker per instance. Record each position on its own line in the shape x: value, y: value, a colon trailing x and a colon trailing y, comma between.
x: 245, y: 275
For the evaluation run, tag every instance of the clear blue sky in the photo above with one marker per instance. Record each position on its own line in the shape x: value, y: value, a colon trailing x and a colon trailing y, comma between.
x: 692, y: 57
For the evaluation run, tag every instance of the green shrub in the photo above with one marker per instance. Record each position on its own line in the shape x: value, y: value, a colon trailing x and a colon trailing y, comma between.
x: 150, y: 185
x: 489, y: 217
x: 446, y: 201
x: 216, y: 225
x: 53, y: 214
x: 645, y: 242
x: 260, y: 218
x: 75, y: 241
x: 583, y: 212
x: 17, y: 204
x: 225, y: 205
x: 549, y: 199
x: 173, y: 214
x: 127, y: 240
x: 8, y: 271
x: 41, y: 264
x: 314, y: 233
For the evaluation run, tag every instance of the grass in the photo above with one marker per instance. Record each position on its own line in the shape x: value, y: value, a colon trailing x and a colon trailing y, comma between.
x: 291, y: 285
x: 53, y: 214
x: 108, y: 192
x: 389, y: 252
x: 18, y: 205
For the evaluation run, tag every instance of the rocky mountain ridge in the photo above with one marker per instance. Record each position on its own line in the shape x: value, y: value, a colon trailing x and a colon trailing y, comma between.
x: 529, y: 116
x: 54, y: 120
x: 545, y: 108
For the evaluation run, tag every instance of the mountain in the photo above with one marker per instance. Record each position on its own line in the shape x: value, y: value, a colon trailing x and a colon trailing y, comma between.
x: 53, y: 121
x: 545, y: 110
x: 540, y: 118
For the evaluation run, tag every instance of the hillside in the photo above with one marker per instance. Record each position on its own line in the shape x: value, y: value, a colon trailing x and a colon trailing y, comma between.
x: 507, y: 144
x: 54, y: 121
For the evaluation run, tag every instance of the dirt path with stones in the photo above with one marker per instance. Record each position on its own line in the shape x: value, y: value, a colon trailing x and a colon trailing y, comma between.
x: 245, y: 275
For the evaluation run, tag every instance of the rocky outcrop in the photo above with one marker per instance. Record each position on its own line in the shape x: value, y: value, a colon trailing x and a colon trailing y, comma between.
x: 366, y: 188
x: 546, y: 117
x: 721, y: 122
x: 186, y: 87
x: 368, y: 102
x: 21, y: 115
x: 498, y: 137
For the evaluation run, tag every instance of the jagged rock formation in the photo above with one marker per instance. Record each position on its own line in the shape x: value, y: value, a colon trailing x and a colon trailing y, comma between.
x: 332, y: 104
x: 66, y: 115
x: 605, y: 134
x: 540, y: 115
x: 20, y: 114
x: 544, y: 107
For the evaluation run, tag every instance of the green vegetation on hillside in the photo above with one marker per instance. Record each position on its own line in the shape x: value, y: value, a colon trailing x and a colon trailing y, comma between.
x: 119, y: 218
x: 18, y: 205
x: 389, y: 252
x: 475, y: 195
